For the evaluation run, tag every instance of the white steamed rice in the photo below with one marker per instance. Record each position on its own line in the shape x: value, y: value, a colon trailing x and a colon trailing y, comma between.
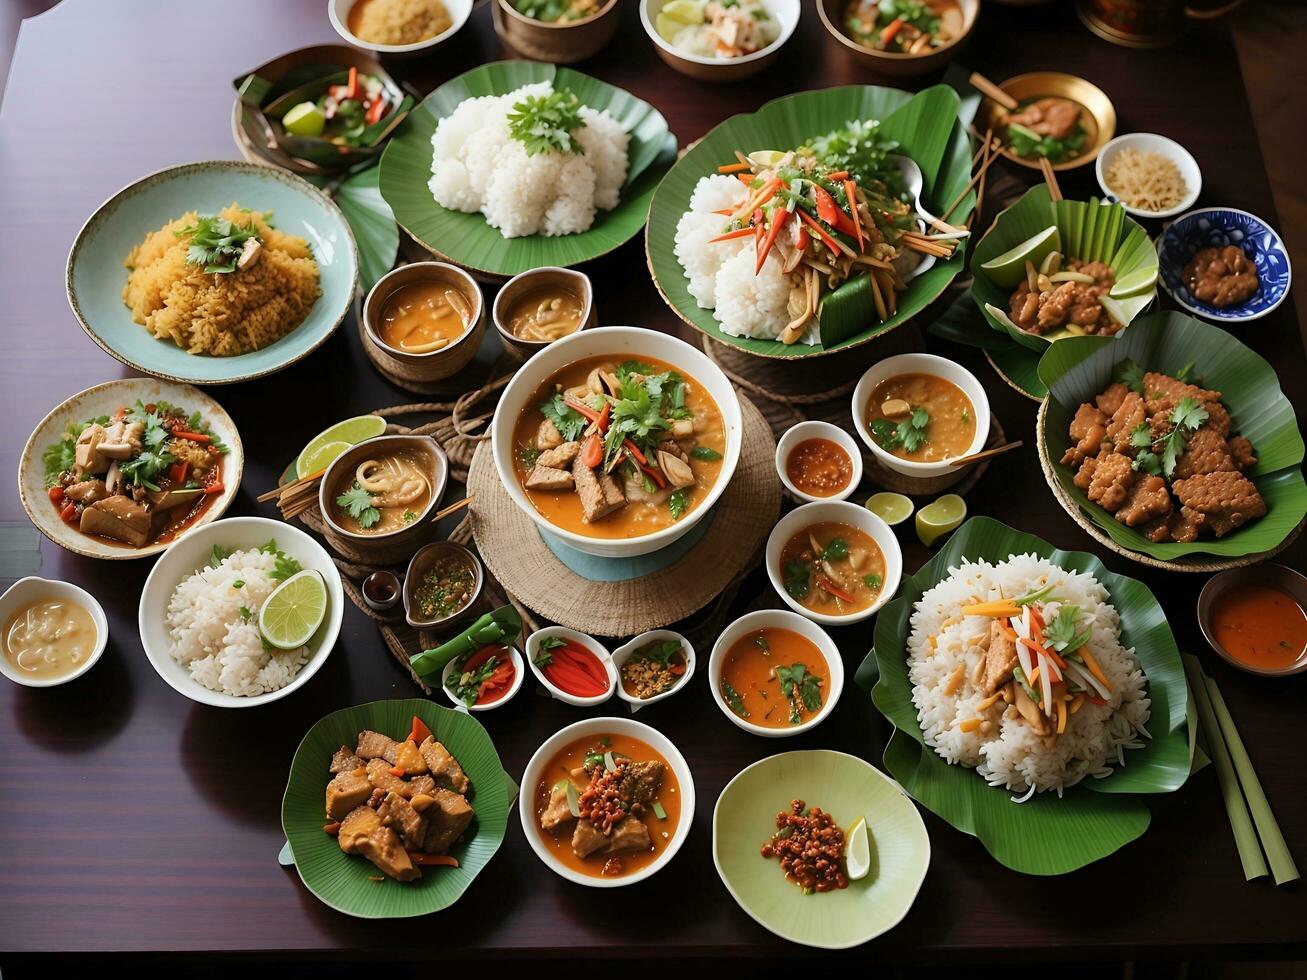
x: 1013, y: 756
x: 478, y: 166
x: 222, y: 649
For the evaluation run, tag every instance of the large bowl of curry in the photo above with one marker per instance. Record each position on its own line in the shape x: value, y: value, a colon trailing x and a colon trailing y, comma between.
x: 617, y: 441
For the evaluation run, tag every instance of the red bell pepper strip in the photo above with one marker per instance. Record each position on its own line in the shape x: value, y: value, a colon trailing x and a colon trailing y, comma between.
x: 177, y: 472
x: 376, y: 110
x: 826, y: 239
x: 851, y: 190
x: 593, y: 453
x: 634, y: 450
x: 605, y: 417
x: 581, y: 409
x: 779, y: 217
x: 827, y: 209
x: 212, y: 488
x: 654, y: 475
x: 829, y: 586
x: 192, y: 436
x: 802, y: 240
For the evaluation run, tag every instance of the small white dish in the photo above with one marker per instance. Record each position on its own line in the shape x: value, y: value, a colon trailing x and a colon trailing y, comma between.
x: 814, y: 429
x: 777, y: 619
x: 338, y: 13
x: 585, y: 640
x: 656, y: 740
x: 624, y: 653
x: 1152, y: 143
x: 519, y: 672
x: 709, y: 69
x: 192, y: 553
x: 34, y: 588
x: 842, y: 512
x: 941, y: 367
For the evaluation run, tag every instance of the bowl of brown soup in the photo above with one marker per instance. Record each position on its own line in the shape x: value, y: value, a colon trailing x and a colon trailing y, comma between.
x: 423, y: 321
x: 539, y: 306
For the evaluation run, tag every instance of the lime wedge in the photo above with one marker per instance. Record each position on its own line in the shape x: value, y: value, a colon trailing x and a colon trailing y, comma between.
x: 857, y: 855
x: 678, y: 15
x: 1135, y: 282
x: 293, y: 613
x: 892, y: 508
x: 766, y: 158
x: 305, y: 119
x: 939, y: 517
x: 1008, y: 269
x: 345, y: 433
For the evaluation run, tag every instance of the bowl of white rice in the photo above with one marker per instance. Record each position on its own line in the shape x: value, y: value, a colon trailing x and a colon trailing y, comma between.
x: 198, y: 616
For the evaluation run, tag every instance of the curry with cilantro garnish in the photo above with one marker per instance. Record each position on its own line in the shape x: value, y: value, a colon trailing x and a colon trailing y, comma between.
x: 613, y: 448
x: 388, y: 491
x: 775, y: 678
x: 832, y: 568
x: 921, y: 418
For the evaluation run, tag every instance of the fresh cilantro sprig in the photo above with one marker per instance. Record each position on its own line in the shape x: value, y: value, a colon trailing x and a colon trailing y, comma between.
x: 61, y: 456
x: 283, y: 566
x: 678, y: 503
x: 357, y: 503
x: 798, y: 579
x: 836, y: 549
x: 543, y: 123
x: 796, y: 678
x: 908, y: 435
x: 569, y: 422
x: 1159, y: 456
x: 216, y: 243
x: 1130, y: 374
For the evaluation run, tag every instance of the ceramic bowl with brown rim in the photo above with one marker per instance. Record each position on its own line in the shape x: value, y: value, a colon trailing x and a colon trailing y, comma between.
x: 422, y: 562
x: 707, y: 68
x: 391, y: 538
x: 562, y: 42
x: 960, y: 15
x: 1291, y: 584
x: 523, y: 290
x: 339, y: 13
x: 423, y: 366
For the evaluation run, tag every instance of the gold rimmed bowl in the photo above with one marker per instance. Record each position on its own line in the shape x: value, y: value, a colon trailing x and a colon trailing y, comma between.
x: 1097, y: 114
x: 525, y: 283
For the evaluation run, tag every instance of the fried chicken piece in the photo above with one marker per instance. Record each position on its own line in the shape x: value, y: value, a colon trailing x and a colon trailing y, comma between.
x: 1226, y: 500
x: 1181, y: 525
x: 1241, y: 450
x: 1110, y: 400
x: 1085, y: 475
x: 1110, y: 483
x: 1025, y: 308
x: 1129, y: 414
x: 1205, y: 452
x: 1146, y: 499
x: 1055, y: 306
x: 1051, y: 116
x: 1103, y: 273
x: 1164, y: 392
x: 1087, y: 429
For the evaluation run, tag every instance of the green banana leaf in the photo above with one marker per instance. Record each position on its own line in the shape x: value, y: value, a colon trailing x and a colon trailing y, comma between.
x: 1077, y: 369
x: 466, y: 239
x: 373, y: 224
x: 963, y: 323
x: 1090, y: 230
x: 1019, y: 367
x: 928, y: 130
x: 1045, y: 835
x: 345, y: 881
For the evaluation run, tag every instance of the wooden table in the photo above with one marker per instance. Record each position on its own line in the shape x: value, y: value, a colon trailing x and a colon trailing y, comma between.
x: 138, y: 820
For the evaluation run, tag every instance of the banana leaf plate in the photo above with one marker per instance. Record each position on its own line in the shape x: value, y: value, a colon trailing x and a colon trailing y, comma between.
x: 1045, y: 835
x: 927, y: 129
x: 1077, y: 369
x: 1087, y: 230
x: 346, y: 882
x: 963, y: 323
x: 466, y: 239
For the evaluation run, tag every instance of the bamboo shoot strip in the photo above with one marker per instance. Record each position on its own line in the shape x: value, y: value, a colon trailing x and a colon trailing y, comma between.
x: 1245, y: 837
x: 1277, y: 851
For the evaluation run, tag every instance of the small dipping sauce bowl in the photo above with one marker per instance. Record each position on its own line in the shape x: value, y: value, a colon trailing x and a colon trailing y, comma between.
x: 537, y: 281
x: 433, y: 365
x: 804, y: 432
x: 1236, y: 605
x: 33, y: 589
x: 421, y: 563
x: 382, y: 591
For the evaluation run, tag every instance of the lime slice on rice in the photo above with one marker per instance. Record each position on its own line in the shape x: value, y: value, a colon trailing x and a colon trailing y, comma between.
x: 1135, y: 282
x: 857, y: 852
x: 676, y: 16
x: 1008, y: 269
x: 939, y: 517
x: 892, y: 508
x: 330, y: 443
x: 294, y: 611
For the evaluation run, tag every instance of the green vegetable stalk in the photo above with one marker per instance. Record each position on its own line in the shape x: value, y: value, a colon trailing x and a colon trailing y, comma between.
x: 498, y: 626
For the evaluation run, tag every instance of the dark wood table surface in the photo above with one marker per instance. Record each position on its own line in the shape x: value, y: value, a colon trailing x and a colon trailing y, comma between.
x: 135, y: 819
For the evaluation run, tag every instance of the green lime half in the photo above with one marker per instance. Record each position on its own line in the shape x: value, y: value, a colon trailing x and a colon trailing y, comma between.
x: 305, y: 119
x: 1008, y: 269
x: 1135, y: 282
x: 293, y: 613
x: 678, y: 15
x: 939, y: 517
x: 892, y: 508
x: 313, y: 458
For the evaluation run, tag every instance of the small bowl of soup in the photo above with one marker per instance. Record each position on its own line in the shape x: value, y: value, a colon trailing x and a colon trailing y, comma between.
x: 834, y: 562
x: 537, y: 307
x: 774, y: 673
x: 1256, y: 619
x: 53, y: 632
x: 424, y: 321
x: 818, y: 461
x: 377, y: 498
x: 917, y: 413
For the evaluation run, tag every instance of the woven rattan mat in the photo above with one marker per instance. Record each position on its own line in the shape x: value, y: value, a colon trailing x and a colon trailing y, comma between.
x: 516, y: 556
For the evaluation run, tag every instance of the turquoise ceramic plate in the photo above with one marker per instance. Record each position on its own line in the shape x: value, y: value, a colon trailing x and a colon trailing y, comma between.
x: 848, y: 788
x: 96, y: 275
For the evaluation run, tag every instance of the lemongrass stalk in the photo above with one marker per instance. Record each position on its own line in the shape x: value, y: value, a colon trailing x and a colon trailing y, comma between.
x: 1245, y: 837
x: 1277, y: 850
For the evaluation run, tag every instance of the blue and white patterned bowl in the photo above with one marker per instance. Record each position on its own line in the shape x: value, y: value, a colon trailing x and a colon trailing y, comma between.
x: 1219, y: 227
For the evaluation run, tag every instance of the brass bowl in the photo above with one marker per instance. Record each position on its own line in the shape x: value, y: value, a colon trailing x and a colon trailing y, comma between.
x: 1097, y: 114
x: 418, y: 566
x: 575, y: 282
x: 562, y: 43
x: 1277, y: 577
x: 890, y: 63
x: 435, y: 365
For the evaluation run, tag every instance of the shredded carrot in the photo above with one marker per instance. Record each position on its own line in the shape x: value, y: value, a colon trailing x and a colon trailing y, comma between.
x: 970, y: 725
x: 1033, y: 679
x: 1061, y: 717
x: 851, y: 191
x: 730, y: 236
x: 1076, y: 702
x: 998, y: 609
x: 838, y: 175
x: 892, y: 30
x: 1094, y: 669
x: 732, y: 168
x: 989, y: 701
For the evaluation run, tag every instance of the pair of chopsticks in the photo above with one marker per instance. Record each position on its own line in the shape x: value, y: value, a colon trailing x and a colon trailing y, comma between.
x: 1009, y: 104
x: 1240, y: 787
x: 980, y: 162
x: 299, y: 495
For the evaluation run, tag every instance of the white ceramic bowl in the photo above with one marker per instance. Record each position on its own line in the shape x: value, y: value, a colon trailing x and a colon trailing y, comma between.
x: 192, y: 553
x: 519, y: 672
x: 814, y: 429
x: 105, y: 399
x: 585, y: 640
x: 706, y: 69
x: 602, y: 726
x: 620, y: 343
x: 338, y: 12
x: 33, y: 588
x: 623, y: 653
x: 777, y: 619
x: 919, y: 364
x: 845, y: 513
x: 1152, y: 143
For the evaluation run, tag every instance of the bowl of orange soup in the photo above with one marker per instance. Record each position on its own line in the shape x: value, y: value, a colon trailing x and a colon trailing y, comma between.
x: 917, y: 413
x: 424, y: 321
x: 775, y: 673
x: 606, y: 802
x: 834, y: 562
x: 1256, y: 619
x: 617, y: 440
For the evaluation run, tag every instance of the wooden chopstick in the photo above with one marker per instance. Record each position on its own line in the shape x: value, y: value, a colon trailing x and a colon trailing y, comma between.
x: 291, y: 487
x: 978, y: 176
x: 986, y: 454
x: 1050, y: 178
x: 453, y: 508
x: 983, y: 85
